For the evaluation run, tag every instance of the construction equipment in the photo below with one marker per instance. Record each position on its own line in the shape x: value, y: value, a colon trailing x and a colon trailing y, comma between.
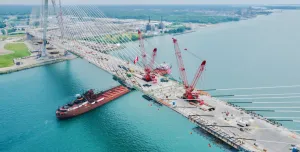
x: 148, y: 67
x: 188, y: 88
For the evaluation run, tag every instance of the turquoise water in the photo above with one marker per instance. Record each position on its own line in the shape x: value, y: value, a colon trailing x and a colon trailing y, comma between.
x: 256, y: 52
x: 259, y: 52
x: 253, y: 53
x: 28, y: 122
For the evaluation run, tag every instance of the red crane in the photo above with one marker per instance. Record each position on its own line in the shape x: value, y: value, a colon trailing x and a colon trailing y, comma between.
x: 188, y: 88
x: 144, y: 55
x: 147, y: 67
x: 151, y: 65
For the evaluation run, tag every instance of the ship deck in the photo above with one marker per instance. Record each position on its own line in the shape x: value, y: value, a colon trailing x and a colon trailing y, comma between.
x: 115, y: 91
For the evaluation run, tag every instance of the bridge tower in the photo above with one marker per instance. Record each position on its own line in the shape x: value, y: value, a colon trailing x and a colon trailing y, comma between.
x: 45, y: 25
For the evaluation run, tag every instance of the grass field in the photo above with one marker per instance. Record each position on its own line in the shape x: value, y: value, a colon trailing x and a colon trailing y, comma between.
x: 19, y: 49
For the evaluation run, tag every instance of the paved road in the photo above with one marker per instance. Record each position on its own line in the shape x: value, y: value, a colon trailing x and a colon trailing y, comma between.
x: 2, y: 50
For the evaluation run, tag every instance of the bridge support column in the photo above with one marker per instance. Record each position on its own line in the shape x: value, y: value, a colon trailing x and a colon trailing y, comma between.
x: 45, y: 25
x: 28, y: 36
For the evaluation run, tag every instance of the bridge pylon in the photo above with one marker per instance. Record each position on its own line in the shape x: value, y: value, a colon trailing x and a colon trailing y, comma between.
x: 45, y: 26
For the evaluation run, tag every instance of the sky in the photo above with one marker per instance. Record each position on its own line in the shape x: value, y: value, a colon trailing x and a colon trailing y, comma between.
x: 106, y: 2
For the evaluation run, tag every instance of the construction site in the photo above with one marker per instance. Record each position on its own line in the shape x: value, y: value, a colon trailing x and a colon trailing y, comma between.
x: 84, y: 32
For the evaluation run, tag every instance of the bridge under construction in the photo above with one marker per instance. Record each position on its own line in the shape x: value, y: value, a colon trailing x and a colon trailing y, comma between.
x: 86, y: 32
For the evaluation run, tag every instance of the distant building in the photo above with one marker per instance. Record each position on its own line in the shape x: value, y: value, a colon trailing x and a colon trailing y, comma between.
x: 148, y: 26
x: 161, y: 25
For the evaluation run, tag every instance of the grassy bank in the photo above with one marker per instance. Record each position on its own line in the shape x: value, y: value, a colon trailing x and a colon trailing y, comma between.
x: 19, y: 49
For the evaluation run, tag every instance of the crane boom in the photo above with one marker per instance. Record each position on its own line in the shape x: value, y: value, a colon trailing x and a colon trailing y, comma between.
x: 198, y: 75
x: 188, y: 88
x: 180, y: 64
x: 153, y: 59
x: 142, y: 47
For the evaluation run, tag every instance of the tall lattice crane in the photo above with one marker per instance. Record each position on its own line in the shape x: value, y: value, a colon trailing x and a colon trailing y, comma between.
x: 148, y: 67
x: 188, y: 88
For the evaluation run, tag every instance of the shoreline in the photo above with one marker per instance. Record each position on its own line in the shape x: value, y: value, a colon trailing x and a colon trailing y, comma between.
x: 12, y: 69
x: 203, y: 26
x: 30, y: 61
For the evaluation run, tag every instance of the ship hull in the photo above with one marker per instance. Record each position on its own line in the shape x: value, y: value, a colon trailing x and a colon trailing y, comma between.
x: 162, y: 72
x: 106, y: 97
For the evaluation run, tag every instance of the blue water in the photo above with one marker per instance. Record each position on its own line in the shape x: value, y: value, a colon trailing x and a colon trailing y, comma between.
x: 28, y: 122
x: 256, y: 52
x: 263, y: 51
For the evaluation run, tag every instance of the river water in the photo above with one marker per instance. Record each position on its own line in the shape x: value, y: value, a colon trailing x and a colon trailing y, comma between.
x: 257, y: 52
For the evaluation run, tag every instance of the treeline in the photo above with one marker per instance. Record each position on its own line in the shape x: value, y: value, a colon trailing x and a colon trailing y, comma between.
x: 9, y: 31
x: 180, y: 29
x: 116, y: 38
x: 205, y: 14
x: 187, y: 17
x: 3, y: 31
x: 2, y: 25
x: 284, y: 7
x: 21, y: 12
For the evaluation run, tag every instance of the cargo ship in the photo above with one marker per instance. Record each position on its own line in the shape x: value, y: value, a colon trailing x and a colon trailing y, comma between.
x: 163, y: 69
x: 89, y: 101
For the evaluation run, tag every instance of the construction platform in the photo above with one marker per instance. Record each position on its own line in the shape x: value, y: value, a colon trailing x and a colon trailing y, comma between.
x: 261, y: 135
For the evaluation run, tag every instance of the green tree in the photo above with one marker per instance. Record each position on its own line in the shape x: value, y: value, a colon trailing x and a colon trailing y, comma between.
x: 11, y: 30
x: 3, y: 31
x: 2, y: 25
x: 134, y: 37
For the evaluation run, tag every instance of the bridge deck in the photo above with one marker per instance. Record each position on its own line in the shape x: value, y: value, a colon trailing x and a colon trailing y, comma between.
x: 226, y: 130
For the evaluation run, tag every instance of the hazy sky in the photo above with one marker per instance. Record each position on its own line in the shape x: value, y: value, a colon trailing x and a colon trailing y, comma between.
x: 157, y: 1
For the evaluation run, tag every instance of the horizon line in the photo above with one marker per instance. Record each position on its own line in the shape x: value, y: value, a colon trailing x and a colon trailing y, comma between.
x: 159, y: 4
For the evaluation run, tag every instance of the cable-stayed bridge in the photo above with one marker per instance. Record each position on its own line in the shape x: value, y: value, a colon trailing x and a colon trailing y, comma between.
x: 88, y: 33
